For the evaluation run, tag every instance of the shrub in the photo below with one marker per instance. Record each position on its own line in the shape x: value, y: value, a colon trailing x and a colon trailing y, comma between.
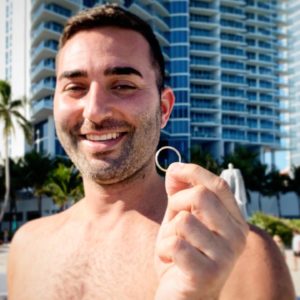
x: 274, y: 225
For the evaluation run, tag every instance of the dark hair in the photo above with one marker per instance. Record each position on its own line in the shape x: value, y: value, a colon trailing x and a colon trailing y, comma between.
x: 113, y: 15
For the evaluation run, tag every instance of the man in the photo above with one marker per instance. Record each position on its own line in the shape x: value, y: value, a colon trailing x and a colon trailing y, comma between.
x: 134, y: 235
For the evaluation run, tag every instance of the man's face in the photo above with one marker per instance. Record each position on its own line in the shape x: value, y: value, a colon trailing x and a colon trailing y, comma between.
x: 107, y: 109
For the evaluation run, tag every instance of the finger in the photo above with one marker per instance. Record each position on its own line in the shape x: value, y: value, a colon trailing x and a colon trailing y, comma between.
x: 182, y: 176
x: 186, y: 226
x: 204, y: 205
x: 175, y: 250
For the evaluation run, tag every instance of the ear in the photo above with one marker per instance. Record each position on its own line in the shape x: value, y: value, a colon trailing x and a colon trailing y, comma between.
x: 166, y: 105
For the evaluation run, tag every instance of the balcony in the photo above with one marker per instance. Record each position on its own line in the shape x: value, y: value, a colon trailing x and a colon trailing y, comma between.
x: 161, y: 8
x: 203, y: 62
x: 232, y: 25
x: 44, y: 69
x: 252, y: 137
x: 203, y: 90
x: 203, y: 7
x: 230, y: 38
x: 50, y: 11
x: 232, y: 11
x: 43, y: 88
x: 42, y: 109
x: 233, y: 122
x: 46, y: 30
x: 200, y: 134
x: 69, y: 4
x: 232, y: 52
x: 207, y: 120
x: 233, y: 92
x: 233, y: 134
x: 45, y: 49
x: 200, y: 105
x: 201, y: 21
x: 141, y: 10
x: 233, y: 2
x: 267, y: 139
x: 232, y: 107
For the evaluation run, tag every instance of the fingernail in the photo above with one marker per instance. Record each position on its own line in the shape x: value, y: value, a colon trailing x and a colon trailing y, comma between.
x: 175, y: 167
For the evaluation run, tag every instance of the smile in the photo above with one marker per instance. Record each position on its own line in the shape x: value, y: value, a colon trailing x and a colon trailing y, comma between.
x: 103, y: 137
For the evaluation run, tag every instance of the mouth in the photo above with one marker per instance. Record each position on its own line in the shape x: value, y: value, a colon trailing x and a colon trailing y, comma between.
x: 104, y: 137
x: 97, y: 142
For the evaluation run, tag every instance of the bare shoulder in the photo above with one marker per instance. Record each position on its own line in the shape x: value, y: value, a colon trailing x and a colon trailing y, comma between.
x: 32, y: 229
x: 261, y: 271
x: 25, y: 250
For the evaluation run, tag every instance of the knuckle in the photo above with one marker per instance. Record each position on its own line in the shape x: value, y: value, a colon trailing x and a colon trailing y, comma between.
x: 178, y: 245
x: 199, y: 190
x: 194, y: 168
x: 183, y: 218
x: 221, y: 185
x: 200, y: 197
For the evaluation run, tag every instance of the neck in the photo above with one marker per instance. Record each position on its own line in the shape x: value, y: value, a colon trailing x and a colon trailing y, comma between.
x: 143, y: 193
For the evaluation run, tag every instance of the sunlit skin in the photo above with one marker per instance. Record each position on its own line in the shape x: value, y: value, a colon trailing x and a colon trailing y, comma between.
x: 135, y: 235
x: 105, y: 98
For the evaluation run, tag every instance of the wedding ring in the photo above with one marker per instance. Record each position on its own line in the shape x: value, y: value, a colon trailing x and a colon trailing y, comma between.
x: 166, y: 148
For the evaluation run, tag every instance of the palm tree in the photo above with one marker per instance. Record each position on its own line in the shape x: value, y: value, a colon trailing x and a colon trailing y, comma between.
x: 294, y: 184
x: 275, y: 186
x: 36, y: 170
x: 10, y: 116
x: 204, y: 159
x: 64, y: 184
x: 253, y: 171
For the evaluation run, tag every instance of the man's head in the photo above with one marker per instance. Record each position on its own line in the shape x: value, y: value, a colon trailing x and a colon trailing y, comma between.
x: 108, y: 111
x: 115, y: 16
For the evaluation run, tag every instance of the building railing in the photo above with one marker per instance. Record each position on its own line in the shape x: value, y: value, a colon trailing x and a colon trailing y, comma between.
x: 50, y: 25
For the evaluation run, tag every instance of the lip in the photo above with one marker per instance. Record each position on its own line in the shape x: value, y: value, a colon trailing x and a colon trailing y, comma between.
x: 96, y: 142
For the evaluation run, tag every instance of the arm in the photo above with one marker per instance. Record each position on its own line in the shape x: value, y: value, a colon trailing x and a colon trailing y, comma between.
x: 204, y: 249
x: 19, y: 257
x: 260, y: 272
x: 201, y: 237
x: 13, y: 256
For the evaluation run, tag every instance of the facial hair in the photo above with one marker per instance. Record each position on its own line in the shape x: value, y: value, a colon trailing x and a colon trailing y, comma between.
x: 137, y: 148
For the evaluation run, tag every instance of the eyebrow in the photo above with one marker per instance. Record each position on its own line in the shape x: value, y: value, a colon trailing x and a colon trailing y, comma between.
x: 72, y: 74
x: 122, y: 71
x: 107, y: 72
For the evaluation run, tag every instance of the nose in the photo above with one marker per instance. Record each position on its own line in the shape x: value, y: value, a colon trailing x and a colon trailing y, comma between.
x: 97, y: 104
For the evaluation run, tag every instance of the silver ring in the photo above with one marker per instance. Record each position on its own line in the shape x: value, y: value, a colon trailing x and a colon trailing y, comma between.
x: 164, y: 148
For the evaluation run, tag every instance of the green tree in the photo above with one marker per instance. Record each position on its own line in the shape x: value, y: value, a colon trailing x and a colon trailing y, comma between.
x: 10, y: 118
x: 253, y: 171
x: 275, y: 185
x: 36, y: 170
x: 294, y: 183
x: 64, y: 183
x: 204, y: 159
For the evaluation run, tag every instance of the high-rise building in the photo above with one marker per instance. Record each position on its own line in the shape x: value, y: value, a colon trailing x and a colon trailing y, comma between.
x: 222, y: 60
x: 15, y: 61
x: 293, y: 25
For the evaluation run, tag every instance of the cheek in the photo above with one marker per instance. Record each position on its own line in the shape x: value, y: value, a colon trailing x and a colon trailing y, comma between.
x: 66, y: 114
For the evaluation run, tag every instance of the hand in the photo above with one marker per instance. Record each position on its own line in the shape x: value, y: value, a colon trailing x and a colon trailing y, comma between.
x: 201, y: 237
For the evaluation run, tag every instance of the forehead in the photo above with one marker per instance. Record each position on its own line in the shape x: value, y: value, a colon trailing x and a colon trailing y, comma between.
x: 108, y: 44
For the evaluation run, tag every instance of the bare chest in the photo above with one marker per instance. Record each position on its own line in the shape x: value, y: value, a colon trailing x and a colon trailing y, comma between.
x: 110, y: 269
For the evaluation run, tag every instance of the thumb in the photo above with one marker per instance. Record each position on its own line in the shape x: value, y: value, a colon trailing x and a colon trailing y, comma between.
x: 174, y: 181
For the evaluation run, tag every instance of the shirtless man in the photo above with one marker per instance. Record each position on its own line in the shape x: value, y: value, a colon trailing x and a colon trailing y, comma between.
x: 134, y: 235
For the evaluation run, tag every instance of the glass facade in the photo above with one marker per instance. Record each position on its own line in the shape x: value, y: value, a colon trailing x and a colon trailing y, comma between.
x: 221, y: 58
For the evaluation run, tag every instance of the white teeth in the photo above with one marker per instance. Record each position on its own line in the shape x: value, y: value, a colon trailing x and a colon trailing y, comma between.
x: 103, y: 137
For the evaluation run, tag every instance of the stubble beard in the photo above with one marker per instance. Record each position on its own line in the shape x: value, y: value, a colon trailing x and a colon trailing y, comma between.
x: 136, y: 153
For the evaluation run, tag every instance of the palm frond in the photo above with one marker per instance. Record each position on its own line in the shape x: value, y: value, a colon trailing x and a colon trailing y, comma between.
x: 15, y: 104
x: 5, y: 92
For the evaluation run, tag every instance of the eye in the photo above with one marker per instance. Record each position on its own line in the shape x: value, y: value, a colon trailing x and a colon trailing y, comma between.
x: 75, y: 89
x: 121, y: 87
